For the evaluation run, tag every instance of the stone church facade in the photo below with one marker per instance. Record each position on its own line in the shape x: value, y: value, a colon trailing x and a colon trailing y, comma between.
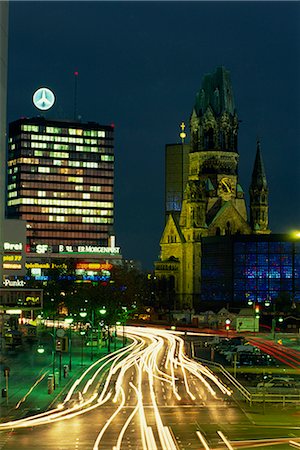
x: 213, y: 201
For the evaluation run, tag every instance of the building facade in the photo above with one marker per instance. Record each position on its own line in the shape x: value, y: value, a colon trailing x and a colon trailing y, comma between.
x: 252, y: 269
x: 61, y: 182
x: 213, y: 202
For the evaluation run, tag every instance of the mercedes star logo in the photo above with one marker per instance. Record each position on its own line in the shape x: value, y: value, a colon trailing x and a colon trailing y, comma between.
x: 43, y: 98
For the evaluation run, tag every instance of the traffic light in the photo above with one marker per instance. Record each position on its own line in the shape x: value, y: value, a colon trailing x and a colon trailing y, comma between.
x: 62, y: 344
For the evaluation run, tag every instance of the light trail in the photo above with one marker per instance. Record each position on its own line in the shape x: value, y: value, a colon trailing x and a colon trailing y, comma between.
x: 225, y: 440
x: 203, y: 441
x: 153, y: 363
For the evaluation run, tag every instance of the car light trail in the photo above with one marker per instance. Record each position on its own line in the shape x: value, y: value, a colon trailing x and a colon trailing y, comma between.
x: 225, y: 440
x: 139, y: 367
x: 202, y: 440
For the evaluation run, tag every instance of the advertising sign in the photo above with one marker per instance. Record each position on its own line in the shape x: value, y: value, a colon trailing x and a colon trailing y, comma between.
x: 24, y: 299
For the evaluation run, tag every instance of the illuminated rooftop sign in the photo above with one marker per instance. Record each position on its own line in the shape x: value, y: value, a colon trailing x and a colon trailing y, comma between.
x: 44, y: 248
x: 43, y: 99
x: 88, y: 249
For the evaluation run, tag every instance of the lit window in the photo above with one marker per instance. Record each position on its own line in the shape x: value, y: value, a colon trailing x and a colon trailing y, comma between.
x: 75, y: 179
x: 44, y: 169
x: 86, y: 196
x: 107, y: 157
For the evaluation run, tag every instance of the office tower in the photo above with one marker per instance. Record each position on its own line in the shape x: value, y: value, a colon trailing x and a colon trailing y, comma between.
x: 61, y: 182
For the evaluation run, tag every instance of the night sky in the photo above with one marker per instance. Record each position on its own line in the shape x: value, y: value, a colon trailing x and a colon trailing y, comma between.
x: 140, y: 65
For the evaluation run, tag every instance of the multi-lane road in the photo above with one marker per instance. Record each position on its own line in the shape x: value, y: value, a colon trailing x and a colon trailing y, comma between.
x: 147, y: 396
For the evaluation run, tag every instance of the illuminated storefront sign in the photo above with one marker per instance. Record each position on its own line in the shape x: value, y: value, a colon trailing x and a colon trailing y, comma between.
x: 45, y: 266
x: 12, y: 258
x: 12, y: 266
x: 8, y: 246
x: 21, y: 298
x: 93, y: 266
x: 14, y: 283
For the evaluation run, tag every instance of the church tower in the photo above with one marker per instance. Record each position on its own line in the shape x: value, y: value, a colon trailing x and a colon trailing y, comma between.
x: 213, y: 202
x: 259, y: 192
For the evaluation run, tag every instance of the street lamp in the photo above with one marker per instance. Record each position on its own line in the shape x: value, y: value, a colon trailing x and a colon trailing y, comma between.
x: 69, y: 321
x: 82, y: 334
x: 83, y: 313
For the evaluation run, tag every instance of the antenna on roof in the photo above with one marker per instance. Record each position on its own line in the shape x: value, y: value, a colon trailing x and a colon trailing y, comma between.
x: 75, y: 93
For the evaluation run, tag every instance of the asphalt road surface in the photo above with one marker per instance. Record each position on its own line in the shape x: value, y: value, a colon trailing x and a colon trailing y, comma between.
x: 148, y: 396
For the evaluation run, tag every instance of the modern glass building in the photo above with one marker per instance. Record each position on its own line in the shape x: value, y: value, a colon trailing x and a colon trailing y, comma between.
x: 252, y: 268
x: 61, y: 181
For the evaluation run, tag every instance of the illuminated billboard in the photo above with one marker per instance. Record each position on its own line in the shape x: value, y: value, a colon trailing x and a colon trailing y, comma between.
x: 24, y: 299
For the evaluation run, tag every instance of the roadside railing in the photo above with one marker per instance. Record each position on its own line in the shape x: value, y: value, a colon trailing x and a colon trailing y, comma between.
x: 250, y: 397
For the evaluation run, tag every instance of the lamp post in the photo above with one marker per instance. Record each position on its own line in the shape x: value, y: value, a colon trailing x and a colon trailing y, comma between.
x: 92, y: 327
x: 103, y: 311
x: 83, y: 314
x: 82, y: 333
x: 69, y: 320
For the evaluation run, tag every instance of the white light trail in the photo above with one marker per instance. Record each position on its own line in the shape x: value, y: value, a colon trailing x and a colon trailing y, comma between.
x: 225, y: 440
x: 203, y: 441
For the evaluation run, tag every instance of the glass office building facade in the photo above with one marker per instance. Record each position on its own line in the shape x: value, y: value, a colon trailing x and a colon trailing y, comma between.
x: 252, y: 268
x: 61, y: 181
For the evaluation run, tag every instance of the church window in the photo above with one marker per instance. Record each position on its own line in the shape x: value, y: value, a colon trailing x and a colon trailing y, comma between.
x: 228, y: 229
x: 209, y: 139
x: 222, y: 140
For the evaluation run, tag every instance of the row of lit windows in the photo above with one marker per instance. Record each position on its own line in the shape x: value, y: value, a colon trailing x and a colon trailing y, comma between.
x: 29, y: 139
x: 71, y: 131
x: 58, y: 174
x: 88, y: 180
x: 73, y: 155
x: 41, y: 201
x: 70, y: 140
x: 74, y: 238
x: 70, y: 195
x: 58, y: 155
x: 63, y: 170
x: 47, y: 141
x: 61, y: 211
x: 83, y: 219
x: 39, y: 221
x: 62, y: 189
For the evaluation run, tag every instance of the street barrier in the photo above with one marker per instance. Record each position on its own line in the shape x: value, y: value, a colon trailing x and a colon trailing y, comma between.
x: 258, y: 397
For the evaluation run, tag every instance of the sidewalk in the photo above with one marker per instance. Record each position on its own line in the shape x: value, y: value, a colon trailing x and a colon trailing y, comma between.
x: 29, y: 372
